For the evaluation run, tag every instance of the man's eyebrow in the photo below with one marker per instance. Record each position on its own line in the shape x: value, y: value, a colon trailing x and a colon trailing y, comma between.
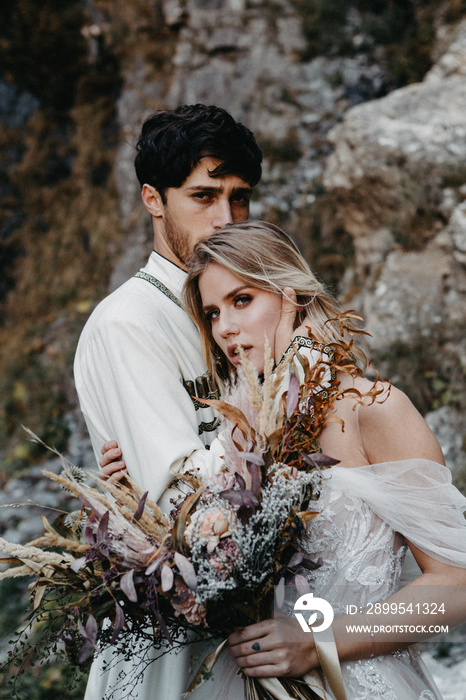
x: 219, y: 190
x: 204, y: 188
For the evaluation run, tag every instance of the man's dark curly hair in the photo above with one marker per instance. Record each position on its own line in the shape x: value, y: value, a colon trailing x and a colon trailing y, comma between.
x: 172, y: 142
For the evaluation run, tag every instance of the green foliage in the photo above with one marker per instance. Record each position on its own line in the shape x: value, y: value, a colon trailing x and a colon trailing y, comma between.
x: 14, y: 596
x: 26, y: 387
x: 58, y: 213
x: 404, y: 28
x: 43, y: 49
x: 44, y: 682
x: 324, y: 26
x: 36, y: 682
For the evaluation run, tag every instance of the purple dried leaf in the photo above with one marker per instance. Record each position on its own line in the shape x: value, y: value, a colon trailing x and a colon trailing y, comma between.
x: 119, y: 622
x: 295, y: 559
x: 249, y: 499
x: 102, y: 530
x: 82, y: 629
x: 127, y: 586
x: 280, y: 593
x: 317, y: 459
x: 140, y: 509
x: 302, y: 585
x: 91, y: 629
x: 154, y: 565
x: 255, y: 478
x: 163, y: 626
x: 253, y: 457
x: 240, y: 481
x: 292, y: 396
x: 240, y: 498
x: 86, y: 650
x: 186, y: 569
x: 167, y: 578
x: 311, y: 565
x: 89, y: 634
x: 89, y: 534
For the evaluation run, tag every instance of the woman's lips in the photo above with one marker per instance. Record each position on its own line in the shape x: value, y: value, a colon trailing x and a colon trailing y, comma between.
x: 233, y: 354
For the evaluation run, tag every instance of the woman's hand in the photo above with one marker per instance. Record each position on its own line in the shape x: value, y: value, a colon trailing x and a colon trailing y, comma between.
x: 273, y: 648
x: 286, y: 329
x: 111, y: 464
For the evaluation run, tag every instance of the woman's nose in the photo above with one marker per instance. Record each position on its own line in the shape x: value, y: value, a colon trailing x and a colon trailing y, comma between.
x: 228, y: 326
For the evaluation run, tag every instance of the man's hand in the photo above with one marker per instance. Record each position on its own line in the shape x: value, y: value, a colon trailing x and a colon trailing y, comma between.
x: 111, y: 464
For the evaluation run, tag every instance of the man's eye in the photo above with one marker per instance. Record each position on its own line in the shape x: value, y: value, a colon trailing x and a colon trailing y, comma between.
x: 202, y: 196
x: 241, y: 200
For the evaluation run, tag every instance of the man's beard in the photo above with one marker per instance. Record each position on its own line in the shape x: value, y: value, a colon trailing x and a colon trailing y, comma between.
x: 178, y: 240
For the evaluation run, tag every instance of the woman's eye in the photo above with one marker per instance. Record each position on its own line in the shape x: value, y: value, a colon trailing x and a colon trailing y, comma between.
x: 242, y: 299
x: 212, y: 315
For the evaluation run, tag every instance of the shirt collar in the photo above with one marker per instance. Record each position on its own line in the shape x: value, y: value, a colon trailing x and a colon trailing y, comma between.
x: 167, y: 272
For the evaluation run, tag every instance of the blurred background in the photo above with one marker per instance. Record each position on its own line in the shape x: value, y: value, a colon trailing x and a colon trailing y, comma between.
x: 360, y: 109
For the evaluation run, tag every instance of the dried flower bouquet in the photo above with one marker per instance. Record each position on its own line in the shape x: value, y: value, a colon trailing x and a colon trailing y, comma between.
x: 118, y: 573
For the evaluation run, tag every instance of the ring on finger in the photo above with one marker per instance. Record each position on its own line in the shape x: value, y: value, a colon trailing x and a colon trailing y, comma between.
x: 256, y: 646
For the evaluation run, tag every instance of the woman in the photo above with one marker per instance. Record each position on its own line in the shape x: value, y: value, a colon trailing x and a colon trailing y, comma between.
x: 248, y: 283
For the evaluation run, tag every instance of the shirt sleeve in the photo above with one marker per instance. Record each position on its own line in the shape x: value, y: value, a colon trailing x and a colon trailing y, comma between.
x: 130, y: 389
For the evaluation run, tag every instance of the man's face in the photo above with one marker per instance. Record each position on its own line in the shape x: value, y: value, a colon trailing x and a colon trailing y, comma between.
x: 192, y: 212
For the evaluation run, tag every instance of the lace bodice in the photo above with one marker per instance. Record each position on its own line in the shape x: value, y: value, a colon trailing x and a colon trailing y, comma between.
x: 356, y: 534
x: 362, y: 555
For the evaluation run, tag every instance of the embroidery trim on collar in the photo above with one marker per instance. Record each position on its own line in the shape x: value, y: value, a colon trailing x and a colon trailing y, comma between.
x: 160, y: 286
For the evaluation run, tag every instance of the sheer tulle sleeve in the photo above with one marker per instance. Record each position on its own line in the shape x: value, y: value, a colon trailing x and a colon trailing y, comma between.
x: 417, y: 499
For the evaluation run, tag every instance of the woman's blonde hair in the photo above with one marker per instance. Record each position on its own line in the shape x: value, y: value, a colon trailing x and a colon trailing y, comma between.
x: 264, y: 257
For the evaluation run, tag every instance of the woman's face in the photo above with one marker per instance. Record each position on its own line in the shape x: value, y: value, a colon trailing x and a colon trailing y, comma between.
x: 239, y: 314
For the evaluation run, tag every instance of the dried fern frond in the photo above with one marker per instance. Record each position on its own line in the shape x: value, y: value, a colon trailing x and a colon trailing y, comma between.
x: 32, y: 554
x: 56, y: 540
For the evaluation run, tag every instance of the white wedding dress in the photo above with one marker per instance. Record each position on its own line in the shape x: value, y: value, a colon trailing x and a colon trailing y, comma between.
x: 365, y: 514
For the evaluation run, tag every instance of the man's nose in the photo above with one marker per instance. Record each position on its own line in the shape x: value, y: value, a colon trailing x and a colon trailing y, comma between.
x: 223, y: 214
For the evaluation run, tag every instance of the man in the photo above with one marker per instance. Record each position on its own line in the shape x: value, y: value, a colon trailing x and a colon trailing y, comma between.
x: 139, y: 359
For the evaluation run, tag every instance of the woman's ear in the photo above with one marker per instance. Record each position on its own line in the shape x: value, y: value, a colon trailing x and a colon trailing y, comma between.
x: 289, y: 296
x: 285, y: 328
x: 300, y: 314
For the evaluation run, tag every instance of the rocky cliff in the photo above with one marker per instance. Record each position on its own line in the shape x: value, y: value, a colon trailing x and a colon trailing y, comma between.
x: 360, y: 110
x: 368, y: 175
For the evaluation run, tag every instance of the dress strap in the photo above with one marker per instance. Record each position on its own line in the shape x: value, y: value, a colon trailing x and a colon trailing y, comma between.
x: 160, y: 286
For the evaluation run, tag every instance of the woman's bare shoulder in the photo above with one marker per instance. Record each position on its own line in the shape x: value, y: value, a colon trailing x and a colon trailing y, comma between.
x: 392, y: 428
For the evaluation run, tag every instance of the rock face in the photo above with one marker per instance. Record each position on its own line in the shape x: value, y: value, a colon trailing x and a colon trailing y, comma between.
x: 398, y: 174
x: 247, y: 58
x: 373, y: 188
x: 371, y: 181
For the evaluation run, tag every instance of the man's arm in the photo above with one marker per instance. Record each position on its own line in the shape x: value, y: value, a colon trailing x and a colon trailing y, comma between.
x: 129, y: 385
